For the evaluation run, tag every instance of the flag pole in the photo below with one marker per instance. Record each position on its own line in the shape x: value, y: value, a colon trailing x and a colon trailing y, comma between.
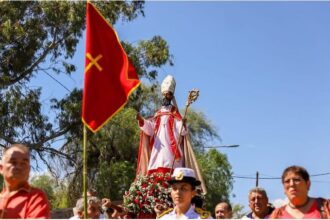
x: 193, y: 95
x: 103, y: 75
x: 85, y: 171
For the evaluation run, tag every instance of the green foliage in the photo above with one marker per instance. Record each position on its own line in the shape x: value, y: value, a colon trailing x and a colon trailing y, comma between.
x: 201, y: 130
x: 238, y: 211
x: 146, y: 100
x: 45, y: 183
x: 217, y: 174
x: 112, y: 155
x: 20, y: 111
x: 57, y: 194
x: 149, y: 55
x: 61, y: 198
x: 114, y: 178
x: 155, y: 51
x: 31, y: 31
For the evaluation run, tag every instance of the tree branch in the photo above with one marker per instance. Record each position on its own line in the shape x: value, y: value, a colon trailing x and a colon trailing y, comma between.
x: 39, y: 146
x: 30, y: 69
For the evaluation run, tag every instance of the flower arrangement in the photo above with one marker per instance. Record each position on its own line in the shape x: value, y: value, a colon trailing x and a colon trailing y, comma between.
x: 147, y: 191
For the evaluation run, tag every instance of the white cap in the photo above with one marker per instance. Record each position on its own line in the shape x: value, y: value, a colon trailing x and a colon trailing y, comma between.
x: 182, y: 174
x: 168, y: 85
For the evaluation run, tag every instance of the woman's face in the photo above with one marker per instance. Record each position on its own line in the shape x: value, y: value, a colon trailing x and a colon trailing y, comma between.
x: 295, y: 187
x: 182, y: 193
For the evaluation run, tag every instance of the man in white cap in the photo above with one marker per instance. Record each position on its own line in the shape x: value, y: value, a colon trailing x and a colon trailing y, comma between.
x: 163, y: 131
x: 183, y: 188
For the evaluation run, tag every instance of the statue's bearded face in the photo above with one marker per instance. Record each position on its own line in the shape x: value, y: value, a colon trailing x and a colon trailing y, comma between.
x: 167, y: 99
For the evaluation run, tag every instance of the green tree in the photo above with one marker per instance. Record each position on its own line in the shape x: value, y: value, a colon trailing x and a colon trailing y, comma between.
x: 34, y: 40
x: 115, y: 179
x: 238, y: 211
x: 56, y: 193
x: 202, y: 131
x: 217, y: 173
x: 31, y: 33
x: 112, y: 156
x: 46, y: 183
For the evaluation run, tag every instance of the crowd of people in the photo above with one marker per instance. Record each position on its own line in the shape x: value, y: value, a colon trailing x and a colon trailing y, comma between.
x: 183, y: 182
x: 19, y: 200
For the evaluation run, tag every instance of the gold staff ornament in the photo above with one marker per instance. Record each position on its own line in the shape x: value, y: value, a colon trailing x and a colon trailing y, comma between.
x: 192, y: 97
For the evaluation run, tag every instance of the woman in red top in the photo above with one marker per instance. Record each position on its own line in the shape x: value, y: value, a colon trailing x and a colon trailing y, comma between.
x: 296, y: 185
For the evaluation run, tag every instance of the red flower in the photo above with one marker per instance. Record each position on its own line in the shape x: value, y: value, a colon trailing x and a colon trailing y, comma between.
x: 147, y: 191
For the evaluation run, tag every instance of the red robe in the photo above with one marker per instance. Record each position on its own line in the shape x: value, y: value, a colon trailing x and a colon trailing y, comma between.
x: 158, y: 145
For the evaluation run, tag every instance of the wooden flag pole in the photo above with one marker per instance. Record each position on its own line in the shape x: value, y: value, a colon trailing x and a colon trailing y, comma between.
x: 85, y: 171
x: 193, y: 95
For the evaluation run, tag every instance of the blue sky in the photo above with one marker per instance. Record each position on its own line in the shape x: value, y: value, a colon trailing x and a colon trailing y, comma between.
x: 263, y: 71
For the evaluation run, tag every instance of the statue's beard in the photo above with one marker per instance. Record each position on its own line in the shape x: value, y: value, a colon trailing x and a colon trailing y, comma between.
x: 166, y: 102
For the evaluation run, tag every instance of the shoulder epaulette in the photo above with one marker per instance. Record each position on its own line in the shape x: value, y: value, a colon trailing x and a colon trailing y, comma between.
x: 202, y: 213
x: 165, y: 212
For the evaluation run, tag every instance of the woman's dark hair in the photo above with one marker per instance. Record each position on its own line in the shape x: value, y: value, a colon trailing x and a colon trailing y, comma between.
x: 302, y: 172
x: 198, y: 201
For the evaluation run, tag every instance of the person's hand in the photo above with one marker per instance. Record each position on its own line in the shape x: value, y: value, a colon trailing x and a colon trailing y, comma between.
x: 159, y: 208
x: 119, y: 212
x: 106, y: 202
x: 140, y: 119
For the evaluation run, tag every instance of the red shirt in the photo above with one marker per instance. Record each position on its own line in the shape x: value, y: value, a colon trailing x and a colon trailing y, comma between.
x: 312, y: 213
x: 26, y: 202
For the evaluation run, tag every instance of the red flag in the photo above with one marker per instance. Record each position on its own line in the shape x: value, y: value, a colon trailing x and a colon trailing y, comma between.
x: 109, y: 76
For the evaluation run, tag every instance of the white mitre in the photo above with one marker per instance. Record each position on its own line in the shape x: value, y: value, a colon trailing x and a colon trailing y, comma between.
x: 168, y: 85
